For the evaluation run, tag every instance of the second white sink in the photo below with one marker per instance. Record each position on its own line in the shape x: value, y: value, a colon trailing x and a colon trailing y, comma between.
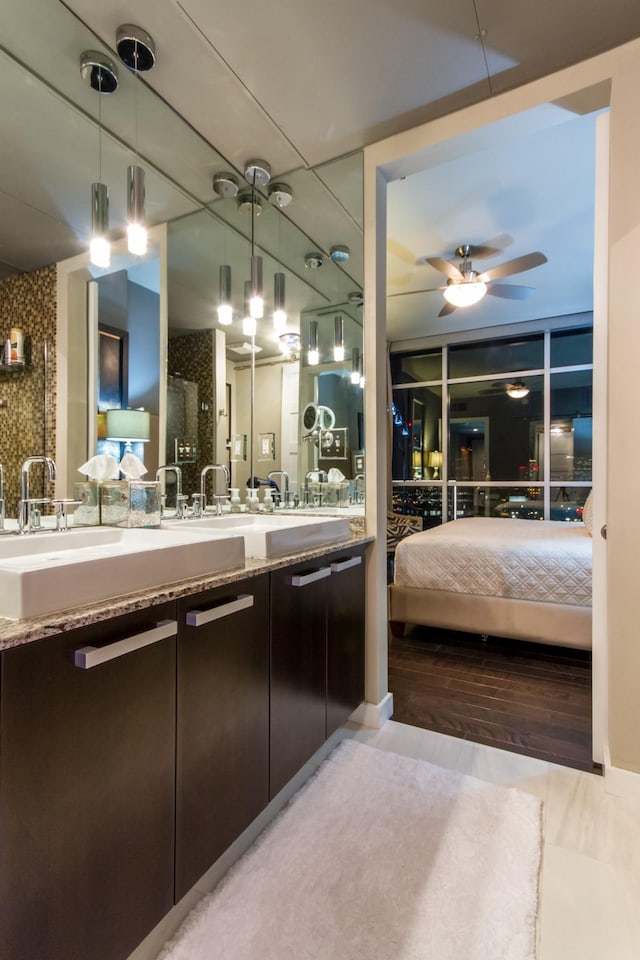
x: 269, y: 535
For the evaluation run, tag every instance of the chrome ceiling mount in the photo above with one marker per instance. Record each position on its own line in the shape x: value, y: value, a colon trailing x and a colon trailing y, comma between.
x: 225, y: 184
x: 339, y: 253
x: 99, y: 71
x: 313, y: 260
x: 135, y: 47
x: 248, y: 203
x: 257, y: 173
x: 280, y: 195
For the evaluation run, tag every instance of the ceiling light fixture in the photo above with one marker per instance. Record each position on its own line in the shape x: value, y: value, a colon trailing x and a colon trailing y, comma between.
x: 225, y: 184
x: 517, y: 390
x: 313, y: 352
x: 279, y: 309
x: 313, y: 260
x: 339, y: 253
x: 338, y: 338
x: 137, y: 51
x: 225, y: 310
x: 355, y: 366
x: 102, y: 75
x: 257, y: 173
x: 249, y: 325
x: 464, y: 293
x: 280, y: 195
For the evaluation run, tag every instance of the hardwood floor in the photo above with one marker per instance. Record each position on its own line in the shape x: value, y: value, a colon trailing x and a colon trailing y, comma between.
x: 523, y: 697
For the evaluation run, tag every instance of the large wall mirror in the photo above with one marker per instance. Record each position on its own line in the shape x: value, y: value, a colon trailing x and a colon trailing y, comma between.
x: 212, y: 397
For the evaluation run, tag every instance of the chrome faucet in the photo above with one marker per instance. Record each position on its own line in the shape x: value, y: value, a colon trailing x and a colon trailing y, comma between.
x: 28, y: 514
x: 284, y: 495
x: 174, y: 468
x: 203, y: 484
x: 316, y: 476
x: 358, y: 493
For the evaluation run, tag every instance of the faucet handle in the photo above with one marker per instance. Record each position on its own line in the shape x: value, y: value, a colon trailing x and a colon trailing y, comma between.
x: 181, y: 504
x: 61, y: 512
x: 197, y: 500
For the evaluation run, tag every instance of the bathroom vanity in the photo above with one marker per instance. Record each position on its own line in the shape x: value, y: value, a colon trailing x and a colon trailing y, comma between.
x: 141, y: 737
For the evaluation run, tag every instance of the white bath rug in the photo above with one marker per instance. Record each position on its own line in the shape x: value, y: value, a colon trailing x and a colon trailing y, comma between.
x: 380, y: 857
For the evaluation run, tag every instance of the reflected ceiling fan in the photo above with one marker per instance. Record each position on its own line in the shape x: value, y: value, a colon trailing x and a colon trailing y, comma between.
x: 465, y: 286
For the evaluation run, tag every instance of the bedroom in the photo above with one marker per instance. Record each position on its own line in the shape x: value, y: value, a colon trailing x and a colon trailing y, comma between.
x: 462, y: 436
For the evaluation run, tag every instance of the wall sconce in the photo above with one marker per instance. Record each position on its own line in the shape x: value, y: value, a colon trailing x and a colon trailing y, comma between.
x: 128, y: 426
x: 313, y: 353
x: 434, y: 461
x: 225, y: 310
x: 279, y: 311
x: 338, y: 338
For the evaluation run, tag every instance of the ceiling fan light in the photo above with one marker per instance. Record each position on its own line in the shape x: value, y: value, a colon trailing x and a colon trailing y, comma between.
x: 517, y: 391
x: 464, y: 293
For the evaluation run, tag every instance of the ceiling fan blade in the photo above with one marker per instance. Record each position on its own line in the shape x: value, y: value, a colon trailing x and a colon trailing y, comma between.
x: 449, y: 269
x: 409, y: 293
x: 491, y: 248
x: 510, y: 291
x: 447, y: 309
x: 519, y: 265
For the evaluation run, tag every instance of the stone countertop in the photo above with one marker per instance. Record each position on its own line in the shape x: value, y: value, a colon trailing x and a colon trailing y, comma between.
x: 14, y: 633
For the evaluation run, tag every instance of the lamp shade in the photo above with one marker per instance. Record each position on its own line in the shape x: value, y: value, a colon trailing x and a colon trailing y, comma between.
x: 434, y: 459
x: 126, y: 425
x: 463, y: 293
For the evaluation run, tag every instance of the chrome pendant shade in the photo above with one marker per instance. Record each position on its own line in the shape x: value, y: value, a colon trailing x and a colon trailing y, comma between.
x: 136, y: 229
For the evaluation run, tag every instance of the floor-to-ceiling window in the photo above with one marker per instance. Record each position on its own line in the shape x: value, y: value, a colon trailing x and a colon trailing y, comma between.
x: 498, y: 428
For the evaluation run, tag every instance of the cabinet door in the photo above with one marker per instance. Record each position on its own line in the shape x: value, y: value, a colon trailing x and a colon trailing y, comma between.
x: 345, y: 635
x: 298, y: 667
x: 87, y: 789
x: 223, y: 722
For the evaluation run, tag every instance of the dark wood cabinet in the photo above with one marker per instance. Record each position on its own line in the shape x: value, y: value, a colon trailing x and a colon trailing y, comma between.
x: 222, y: 722
x: 298, y: 667
x: 317, y: 656
x: 345, y: 635
x: 87, y: 788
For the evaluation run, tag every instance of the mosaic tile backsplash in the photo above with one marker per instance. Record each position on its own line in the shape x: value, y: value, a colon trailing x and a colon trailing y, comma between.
x: 27, y: 396
x: 190, y: 360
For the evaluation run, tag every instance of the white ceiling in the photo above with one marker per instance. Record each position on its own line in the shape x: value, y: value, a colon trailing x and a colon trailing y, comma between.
x: 306, y: 87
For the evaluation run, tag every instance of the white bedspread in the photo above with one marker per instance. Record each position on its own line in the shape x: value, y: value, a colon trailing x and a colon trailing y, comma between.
x: 541, y: 560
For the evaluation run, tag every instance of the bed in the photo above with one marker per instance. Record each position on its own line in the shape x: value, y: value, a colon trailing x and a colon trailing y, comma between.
x: 526, y: 579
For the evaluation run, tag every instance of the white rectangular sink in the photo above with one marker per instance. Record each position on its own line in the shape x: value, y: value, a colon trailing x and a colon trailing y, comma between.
x: 42, y: 573
x: 269, y: 535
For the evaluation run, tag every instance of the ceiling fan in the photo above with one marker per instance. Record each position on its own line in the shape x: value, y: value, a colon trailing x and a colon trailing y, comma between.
x: 466, y: 286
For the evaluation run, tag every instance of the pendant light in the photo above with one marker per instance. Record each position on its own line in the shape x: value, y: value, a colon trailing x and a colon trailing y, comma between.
x: 101, y: 73
x: 355, y: 367
x: 249, y: 326
x: 313, y: 352
x: 257, y: 173
x: 338, y: 338
x: 279, y: 311
x: 225, y: 310
x: 137, y: 51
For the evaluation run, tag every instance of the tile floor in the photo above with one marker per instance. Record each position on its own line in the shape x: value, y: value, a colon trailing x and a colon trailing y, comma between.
x: 590, y: 882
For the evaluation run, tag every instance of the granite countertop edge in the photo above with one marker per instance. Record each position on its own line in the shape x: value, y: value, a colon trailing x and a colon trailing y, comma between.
x: 14, y: 633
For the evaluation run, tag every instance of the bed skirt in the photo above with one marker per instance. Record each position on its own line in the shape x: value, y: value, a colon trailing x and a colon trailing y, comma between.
x: 561, y: 624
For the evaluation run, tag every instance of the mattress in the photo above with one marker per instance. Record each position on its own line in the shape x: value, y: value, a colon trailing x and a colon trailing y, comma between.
x: 540, y: 560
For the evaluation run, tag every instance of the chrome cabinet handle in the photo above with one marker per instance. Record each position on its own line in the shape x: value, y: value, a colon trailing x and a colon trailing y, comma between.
x: 197, y: 618
x: 87, y: 657
x: 339, y: 565
x: 302, y: 579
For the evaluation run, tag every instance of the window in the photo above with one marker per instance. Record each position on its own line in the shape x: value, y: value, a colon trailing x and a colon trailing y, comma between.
x: 487, y: 440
